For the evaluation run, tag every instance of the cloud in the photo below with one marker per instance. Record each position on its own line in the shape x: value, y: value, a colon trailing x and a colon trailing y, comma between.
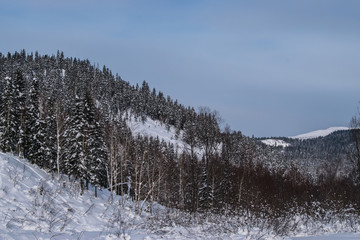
x: 270, y: 67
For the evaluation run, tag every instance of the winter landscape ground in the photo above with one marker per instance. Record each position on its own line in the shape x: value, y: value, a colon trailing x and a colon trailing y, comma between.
x: 36, y: 205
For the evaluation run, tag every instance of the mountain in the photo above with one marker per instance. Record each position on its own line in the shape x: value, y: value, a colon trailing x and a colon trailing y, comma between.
x: 319, y: 133
x: 316, y: 154
x: 284, y: 141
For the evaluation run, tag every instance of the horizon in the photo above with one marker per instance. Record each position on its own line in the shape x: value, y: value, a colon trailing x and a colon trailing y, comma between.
x: 269, y: 69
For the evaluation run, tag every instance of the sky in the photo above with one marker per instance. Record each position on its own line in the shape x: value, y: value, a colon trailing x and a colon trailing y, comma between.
x: 270, y: 68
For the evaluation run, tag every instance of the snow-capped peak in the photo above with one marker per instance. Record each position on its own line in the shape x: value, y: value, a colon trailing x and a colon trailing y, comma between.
x: 319, y: 133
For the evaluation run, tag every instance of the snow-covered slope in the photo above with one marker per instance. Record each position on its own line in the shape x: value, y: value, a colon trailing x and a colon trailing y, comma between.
x: 35, y: 205
x: 319, y: 133
x: 155, y: 128
x: 309, y: 135
x: 275, y: 142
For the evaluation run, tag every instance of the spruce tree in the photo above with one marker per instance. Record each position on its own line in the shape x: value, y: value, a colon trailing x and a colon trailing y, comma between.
x: 9, y: 118
x: 34, y: 138
x: 95, y: 145
x: 50, y: 140
x: 73, y: 156
x: 20, y: 96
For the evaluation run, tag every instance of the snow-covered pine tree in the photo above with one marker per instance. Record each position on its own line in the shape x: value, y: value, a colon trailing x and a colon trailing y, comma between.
x: 9, y: 119
x: 84, y: 156
x: 95, y: 148
x: 45, y: 137
x: 20, y: 96
x: 35, y: 128
x: 49, y: 95
x: 4, y: 113
x: 73, y: 156
x: 32, y: 122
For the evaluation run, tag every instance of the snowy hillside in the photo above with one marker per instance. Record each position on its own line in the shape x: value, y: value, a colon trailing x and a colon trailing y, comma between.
x: 155, y: 128
x: 319, y: 133
x: 34, y: 205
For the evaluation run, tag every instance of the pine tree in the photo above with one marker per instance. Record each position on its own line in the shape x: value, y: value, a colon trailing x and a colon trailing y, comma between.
x: 73, y: 156
x: 4, y: 112
x: 95, y: 145
x: 35, y: 127
x: 50, y: 140
x: 20, y: 97
x: 84, y: 151
x: 9, y: 118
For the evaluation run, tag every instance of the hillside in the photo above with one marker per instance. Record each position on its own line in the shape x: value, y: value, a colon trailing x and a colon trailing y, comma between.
x: 166, y: 164
x: 35, y: 205
x: 69, y: 116
x: 304, y: 136
x: 318, y: 153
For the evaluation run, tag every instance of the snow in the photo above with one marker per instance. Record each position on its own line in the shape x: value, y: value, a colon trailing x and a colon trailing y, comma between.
x: 319, y: 133
x: 338, y: 236
x: 155, y: 128
x: 35, y: 205
x: 62, y: 73
x: 275, y: 142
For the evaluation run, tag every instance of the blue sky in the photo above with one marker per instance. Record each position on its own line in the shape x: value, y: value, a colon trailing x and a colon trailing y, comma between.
x: 271, y: 68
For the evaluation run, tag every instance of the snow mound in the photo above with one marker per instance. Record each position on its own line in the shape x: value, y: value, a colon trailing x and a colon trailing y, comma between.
x: 319, y: 133
x: 275, y: 142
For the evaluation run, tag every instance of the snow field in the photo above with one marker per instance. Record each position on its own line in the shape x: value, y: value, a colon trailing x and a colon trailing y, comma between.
x: 35, y: 205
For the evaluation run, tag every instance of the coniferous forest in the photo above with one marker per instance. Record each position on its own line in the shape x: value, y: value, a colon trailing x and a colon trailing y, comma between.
x: 68, y: 116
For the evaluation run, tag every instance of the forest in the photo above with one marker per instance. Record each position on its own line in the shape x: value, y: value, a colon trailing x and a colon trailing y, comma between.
x: 69, y: 116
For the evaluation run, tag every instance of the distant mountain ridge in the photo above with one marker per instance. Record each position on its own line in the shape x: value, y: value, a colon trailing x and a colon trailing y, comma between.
x: 319, y: 133
x: 285, y: 141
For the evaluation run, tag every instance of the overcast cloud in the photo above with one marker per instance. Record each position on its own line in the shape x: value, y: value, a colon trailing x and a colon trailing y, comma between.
x: 271, y: 68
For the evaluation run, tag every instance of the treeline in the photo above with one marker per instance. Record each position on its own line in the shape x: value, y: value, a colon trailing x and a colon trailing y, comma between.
x: 320, y: 157
x: 68, y: 116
